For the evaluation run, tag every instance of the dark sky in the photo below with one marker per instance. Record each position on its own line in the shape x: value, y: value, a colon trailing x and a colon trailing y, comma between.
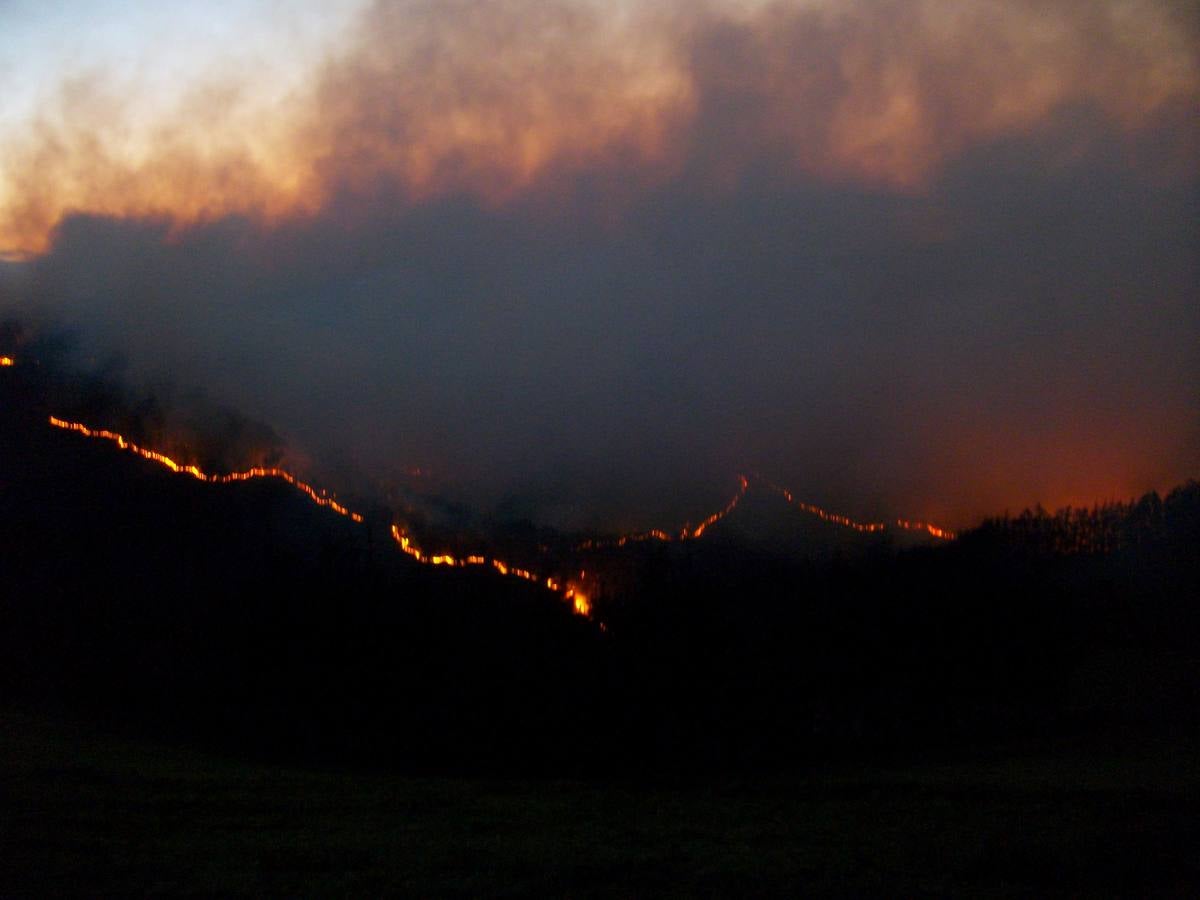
x: 908, y: 258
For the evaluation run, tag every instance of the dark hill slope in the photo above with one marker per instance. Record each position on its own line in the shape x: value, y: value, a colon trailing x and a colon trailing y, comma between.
x: 246, y: 614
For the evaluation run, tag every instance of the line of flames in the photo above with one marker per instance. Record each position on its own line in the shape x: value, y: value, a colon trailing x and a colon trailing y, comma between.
x: 943, y: 534
x: 319, y: 497
x: 572, y: 594
x: 688, y: 532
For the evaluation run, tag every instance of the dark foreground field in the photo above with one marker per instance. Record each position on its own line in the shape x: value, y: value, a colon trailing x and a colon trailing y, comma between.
x: 88, y: 815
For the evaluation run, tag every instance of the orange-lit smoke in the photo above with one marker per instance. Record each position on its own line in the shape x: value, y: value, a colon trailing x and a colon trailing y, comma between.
x: 888, y: 92
x: 514, y: 98
x: 213, y: 156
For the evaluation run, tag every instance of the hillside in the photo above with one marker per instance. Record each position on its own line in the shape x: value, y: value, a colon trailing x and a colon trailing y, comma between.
x: 245, y: 615
x: 780, y: 702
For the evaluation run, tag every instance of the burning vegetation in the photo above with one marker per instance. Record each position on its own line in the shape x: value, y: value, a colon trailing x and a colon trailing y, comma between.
x: 277, y: 627
x: 570, y: 590
x: 318, y: 496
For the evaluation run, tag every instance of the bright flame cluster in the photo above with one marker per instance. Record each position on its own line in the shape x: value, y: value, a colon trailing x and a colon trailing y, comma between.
x: 7, y: 361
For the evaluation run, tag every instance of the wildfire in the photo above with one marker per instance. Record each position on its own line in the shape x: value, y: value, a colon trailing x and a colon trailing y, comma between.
x: 319, y: 497
x: 944, y: 534
x: 578, y: 600
x: 716, y: 517
x: 572, y: 594
x: 582, y: 604
x: 688, y: 532
x: 7, y: 361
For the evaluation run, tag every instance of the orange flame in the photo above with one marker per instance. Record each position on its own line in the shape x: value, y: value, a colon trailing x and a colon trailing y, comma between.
x: 7, y: 361
x: 688, y: 533
x: 717, y: 516
x: 572, y: 593
x: 944, y: 534
x: 578, y: 600
x: 583, y: 606
x: 319, y: 497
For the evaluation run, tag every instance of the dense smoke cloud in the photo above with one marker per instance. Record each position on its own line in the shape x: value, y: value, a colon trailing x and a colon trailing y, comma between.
x: 499, y: 99
x: 909, y: 257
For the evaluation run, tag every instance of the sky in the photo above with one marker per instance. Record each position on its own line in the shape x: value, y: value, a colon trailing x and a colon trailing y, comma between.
x: 586, y: 262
